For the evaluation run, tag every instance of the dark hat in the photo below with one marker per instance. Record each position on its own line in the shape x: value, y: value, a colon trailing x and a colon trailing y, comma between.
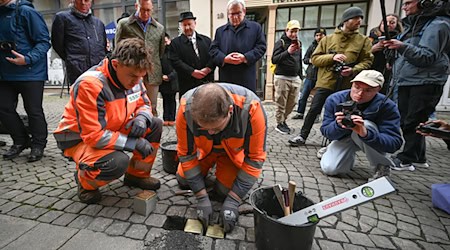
x: 320, y: 30
x: 351, y: 13
x: 186, y: 15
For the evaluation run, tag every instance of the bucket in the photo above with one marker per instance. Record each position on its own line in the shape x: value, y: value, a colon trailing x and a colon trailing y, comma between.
x: 169, y: 156
x: 272, y: 234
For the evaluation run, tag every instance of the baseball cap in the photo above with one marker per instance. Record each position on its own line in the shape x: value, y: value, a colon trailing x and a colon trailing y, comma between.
x: 372, y: 78
x: 320, y: 30
x: 293, y: 24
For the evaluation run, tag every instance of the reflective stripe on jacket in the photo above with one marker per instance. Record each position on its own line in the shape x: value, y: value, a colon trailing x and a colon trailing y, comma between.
x: 98, y: 111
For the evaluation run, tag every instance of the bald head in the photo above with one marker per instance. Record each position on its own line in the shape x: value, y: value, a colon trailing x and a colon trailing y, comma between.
x: 210, y: 102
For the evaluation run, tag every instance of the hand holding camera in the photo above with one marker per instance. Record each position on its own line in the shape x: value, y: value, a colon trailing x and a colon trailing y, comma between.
x: 350, y: 117
x: 295, y: 46
x: 437, y: 128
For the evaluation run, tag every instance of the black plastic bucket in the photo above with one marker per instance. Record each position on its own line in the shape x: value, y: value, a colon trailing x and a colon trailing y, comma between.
x: 169, y: 156
x: 272, y: 234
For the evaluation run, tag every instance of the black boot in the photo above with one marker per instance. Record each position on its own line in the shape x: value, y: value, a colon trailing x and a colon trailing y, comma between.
x: 14, y: 151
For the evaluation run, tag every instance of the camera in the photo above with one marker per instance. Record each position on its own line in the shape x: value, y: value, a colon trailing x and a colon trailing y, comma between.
x: 349, y: 108
x: 7, y: 46
x: 338, y: 67
x: 433, y: 128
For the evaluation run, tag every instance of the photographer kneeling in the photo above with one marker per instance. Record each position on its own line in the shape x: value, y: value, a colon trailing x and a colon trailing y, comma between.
x: 360, y: 119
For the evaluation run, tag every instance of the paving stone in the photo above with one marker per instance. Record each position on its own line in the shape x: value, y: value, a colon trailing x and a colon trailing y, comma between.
x: 92, y: 209
x: 359, y: 239
x: 353, y: 247
x: 109, y: 201
x: 11, y: 194
x: 20, y: 211
x: 50, y: 216
x: 407, y: 235
x: 136, y: 231
x: 154, y: 233
x: 408, y: 227
x: 61, y: 204
x: 429, y: 222
x: 246, y: 221
x: 43, y: 190
x: 238, y: 233
x: 81, y: 221
x: 47, y: 202
x: 382, y: 242
x: 335, y: 235
x: 86, y: 239
x: 34, y: 213
x: 250, y: 235
x: 430, y: 246
x: 117, y: 228
x: 15, y: 228
x: 161, y: 208
x: 65, y: 219
x: 405, y: 244
x: 5, y: 208
x: 156, y: 220
x: 224, y: 244
x: 176, y: 211
x: 69, y: 194
x: 100, y: 224
x: 108, y: 212
x: 123, y: 214
x: 55, y: 237
x: 329, y: 245
x: 3, y: 201
x: 124, y: 203
x: 387, y: 227
x: 56, y: 192
x: 137, y: 218
x: 22, y: 197
x: 75, y: 207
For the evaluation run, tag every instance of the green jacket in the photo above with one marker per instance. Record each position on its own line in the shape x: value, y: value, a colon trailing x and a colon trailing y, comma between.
x: 354, y: 45
x: 153, y: 37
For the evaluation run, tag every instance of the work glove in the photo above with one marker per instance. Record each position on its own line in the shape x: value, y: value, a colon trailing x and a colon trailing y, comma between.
x: 138, y: 126
x: 144, y: 147
x: 229, y: 214
x: 204, y: 210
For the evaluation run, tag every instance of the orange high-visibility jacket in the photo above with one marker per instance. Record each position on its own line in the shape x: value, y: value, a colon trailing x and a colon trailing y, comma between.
x: 244, y: 140
x: 98, y: 111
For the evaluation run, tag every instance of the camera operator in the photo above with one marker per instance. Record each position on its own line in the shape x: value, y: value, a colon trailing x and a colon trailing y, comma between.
x: 24, y: 42
x: 347, y: 49
x: 360, y: 119
x: 420, y: 72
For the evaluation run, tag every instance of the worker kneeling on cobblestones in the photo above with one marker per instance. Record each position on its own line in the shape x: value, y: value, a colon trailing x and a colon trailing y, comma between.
x: 223, y: 125
x: 109, y: 113
x: 360, y: 119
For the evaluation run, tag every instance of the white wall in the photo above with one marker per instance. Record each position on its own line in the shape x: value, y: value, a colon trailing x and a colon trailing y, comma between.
x: 202, y: 9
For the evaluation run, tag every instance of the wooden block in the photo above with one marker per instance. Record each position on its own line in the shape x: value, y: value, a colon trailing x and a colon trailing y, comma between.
x: 193, y: 226
x: 215, y: 231
x: 145, y: 202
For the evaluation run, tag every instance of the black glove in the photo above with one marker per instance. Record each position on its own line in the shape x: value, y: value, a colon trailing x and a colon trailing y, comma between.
x: 229, y: 214
x: 144, y: 147
x: 204, y: 210
x: 138, y: 126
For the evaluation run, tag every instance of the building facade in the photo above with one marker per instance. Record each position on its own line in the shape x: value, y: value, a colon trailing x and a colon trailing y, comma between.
x: 271, y: 14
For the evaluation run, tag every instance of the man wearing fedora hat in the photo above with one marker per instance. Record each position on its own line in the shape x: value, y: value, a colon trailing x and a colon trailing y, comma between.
x: 189, y: 55
x: 360, y: 119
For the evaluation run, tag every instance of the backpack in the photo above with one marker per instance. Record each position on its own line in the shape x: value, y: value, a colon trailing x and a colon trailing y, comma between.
x: 272, y: 66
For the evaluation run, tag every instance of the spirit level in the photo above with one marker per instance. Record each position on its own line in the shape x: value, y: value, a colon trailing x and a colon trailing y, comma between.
x: 359, y: 195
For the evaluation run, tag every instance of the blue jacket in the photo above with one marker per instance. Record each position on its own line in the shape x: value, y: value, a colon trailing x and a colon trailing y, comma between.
x: 249, y: 40
x: 79, y: 41
x: 424, y: 58
x: 27, y: 29
x: 385, y: 115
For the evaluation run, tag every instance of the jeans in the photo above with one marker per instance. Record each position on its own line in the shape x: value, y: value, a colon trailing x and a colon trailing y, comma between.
x: 32, y: 95
x: 316, y: 107
x: 415, y: 104
x: 308, y: 85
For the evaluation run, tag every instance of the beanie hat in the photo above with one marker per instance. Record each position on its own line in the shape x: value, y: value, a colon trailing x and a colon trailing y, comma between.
x: 351, y: 13
x: 320, y: 30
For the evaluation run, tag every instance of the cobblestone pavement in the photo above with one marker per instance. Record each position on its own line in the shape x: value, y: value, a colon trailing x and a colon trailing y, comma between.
x: 39, y: 208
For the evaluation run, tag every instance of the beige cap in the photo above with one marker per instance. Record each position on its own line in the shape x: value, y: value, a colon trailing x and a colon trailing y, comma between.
x: 372, y: 78
x: 293, y: 24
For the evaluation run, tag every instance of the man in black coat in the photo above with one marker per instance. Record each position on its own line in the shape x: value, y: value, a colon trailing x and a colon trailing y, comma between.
x: 189, y: 55
x: 78, y: 38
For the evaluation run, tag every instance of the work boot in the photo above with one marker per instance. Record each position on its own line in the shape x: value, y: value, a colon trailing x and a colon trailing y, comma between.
x: 148, y: 183
x: 87, y: 196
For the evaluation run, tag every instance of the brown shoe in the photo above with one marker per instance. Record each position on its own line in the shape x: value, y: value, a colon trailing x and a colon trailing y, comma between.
x: 87, y: 196
x: 148, y: 183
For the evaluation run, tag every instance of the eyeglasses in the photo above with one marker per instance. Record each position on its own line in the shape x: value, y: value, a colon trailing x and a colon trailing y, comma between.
x: 235, y: 13
x: 364, y: 90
